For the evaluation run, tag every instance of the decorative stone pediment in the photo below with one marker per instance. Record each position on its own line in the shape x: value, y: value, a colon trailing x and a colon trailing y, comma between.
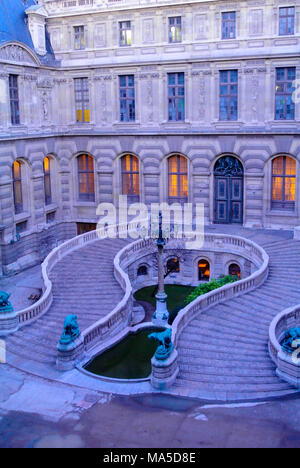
x: 16, y: 53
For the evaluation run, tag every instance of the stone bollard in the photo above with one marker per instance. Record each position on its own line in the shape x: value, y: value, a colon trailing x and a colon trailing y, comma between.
x: 9, y: 319
x: 70, y: 346
x: 69, y: 354
x: 164, y: 373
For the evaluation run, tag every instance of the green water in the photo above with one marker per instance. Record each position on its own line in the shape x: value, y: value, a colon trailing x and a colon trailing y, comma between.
x: 129, y: 359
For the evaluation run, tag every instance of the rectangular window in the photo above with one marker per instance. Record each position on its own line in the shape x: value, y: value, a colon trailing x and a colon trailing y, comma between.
x: 176, y: 96
x: 21, y: 227
x: 14, y: 100
x: 17, y: 187
x: 286, y: 21
x: 284, y: 105
x: 175, y: 33
x: 229, y: 25
x: 82, y: 104
x: 125, y: 33
x: 229, y: 95
x: 79, y: 40
x: 127, y: 98
x: 50, y: 217
x: 47, y: 181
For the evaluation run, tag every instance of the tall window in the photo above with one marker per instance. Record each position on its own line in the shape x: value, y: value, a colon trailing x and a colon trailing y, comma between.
x: 286, y: 21
x: 229, y: 95
x: 125, y: 33
x: 176, y: 96
x: 86, y: 177
x: 47, y: 181
x: 284, y: 105
x: 234, y: 270
x: 283, y: 183
x: 130, y: 177
x: 173, y: 265
x: 14, y: 100
x: 17, y: 186
x: 178, y: 179
x: 79, y: 40
x: 127, y: 98
x: 82, y: 104
x: 203, y: 270
x: 229, y: 25
x: 175, y: 34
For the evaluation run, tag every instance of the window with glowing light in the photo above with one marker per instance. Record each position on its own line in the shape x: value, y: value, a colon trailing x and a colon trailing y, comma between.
x: 203, y: 270
x: 86, y: 178
x: 125, y: 33
x: 82, y: 101
x: 234, y: 270
x: 283, y: 183
x: 175, y: 32
x: 130, y: 177
x: 17, y: 170
x: 47, y: 180
x: 173, y: 265
x: 178, y: 179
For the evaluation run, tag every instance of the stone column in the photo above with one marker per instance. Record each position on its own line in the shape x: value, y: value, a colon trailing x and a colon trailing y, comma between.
x: 164, y: 373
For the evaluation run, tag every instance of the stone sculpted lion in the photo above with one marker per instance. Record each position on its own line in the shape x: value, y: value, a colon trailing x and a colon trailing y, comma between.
x: 71, y: 330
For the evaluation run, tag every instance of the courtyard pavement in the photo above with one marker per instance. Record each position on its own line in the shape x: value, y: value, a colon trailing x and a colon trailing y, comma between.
x: 38, y: 413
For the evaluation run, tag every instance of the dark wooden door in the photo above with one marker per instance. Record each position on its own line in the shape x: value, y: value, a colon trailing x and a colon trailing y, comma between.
x: 228, y: 173
x: 228, y: 200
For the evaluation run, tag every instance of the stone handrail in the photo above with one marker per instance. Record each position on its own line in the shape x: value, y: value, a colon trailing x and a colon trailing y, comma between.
x: 40, y: 307
x: 252, y: 250
x: 283, y: 321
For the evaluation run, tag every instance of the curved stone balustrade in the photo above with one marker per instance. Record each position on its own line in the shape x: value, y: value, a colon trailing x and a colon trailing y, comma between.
x: 288, y: 367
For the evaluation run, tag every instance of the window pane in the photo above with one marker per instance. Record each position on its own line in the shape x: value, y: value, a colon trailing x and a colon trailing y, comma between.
x: 290, y: 166
x: 173, y: 185
x: 277, y: 188
x: 290, y: 189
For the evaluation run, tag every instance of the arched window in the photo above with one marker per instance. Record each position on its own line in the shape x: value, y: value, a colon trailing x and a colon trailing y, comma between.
x: 178, y: 179
x: 130, y: 177
x: 142, y: 271
x: 234, y: 270
x: 86, y: 178
x: 17, y: 170
x: 203, y: 270
x: 173, y: 265
x: 47, y: 180
x: 283, y: 183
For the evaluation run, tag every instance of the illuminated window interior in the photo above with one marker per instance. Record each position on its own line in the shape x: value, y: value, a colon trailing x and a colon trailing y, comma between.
x: 203, y: 270
x: 17, y: 186
x: 130, y: 176
x: 86, y: 177
x: 234, y: 270
x: 283, y: 183
x: 178, y: 178
x: 47, y: 180
x: 173, y: 265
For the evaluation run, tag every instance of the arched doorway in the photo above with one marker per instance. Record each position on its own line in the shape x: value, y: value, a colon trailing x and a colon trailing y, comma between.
x: 228, y: 187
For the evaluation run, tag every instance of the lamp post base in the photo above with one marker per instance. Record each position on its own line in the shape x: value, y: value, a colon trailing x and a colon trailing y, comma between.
x: 161, y: 314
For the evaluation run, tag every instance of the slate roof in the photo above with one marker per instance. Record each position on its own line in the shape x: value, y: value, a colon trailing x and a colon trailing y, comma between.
x: 14, y: 27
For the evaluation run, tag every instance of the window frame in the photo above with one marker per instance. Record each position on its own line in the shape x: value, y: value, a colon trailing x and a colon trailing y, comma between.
x: 82, y: 100
x: 14, y: 101
x: 229, y: 96
x: 17, y: 182
x: 47, y: 181
x: 286, y: 20
x: 226, y: 25
x: 284, y: 94
x: 131, y: 196
x: 129, y: 116
x: 174, y: 97
x: 125, y: 39
x: 204, y: 279
x: 178, y: 27
x: 179, y: 174
x: 88, y: 196
x: 283, y: 204
x: 79, y: 37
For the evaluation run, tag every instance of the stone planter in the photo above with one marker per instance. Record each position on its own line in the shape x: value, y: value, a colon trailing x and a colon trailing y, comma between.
x: 164, y: 373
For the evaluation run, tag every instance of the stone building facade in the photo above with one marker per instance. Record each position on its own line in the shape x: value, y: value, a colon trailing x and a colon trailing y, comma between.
x: 162, y: 100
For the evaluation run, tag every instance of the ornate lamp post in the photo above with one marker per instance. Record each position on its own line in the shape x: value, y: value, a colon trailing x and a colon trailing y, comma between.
x: 161, y: 314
